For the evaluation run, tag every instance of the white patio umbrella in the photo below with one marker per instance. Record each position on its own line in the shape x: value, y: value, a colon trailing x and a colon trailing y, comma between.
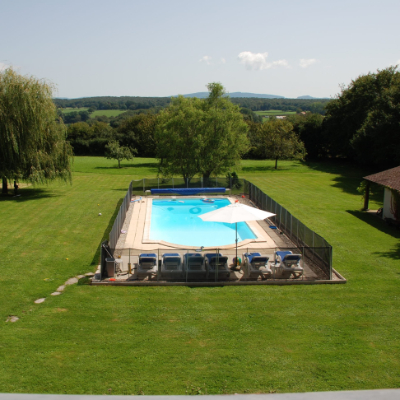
x: 234, y: 213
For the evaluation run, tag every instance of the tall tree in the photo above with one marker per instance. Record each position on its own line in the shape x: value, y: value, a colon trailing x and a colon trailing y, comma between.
x: 224, y: 139
x: 278, y: 141
x: 179, y: 138
x: 308, y: 127
x: 205, y: 137
x: 363, y: 122
x: 138, y: 132
x: 33, y: 146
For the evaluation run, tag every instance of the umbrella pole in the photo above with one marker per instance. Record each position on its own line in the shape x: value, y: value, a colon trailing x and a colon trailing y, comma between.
x: 236, y: 261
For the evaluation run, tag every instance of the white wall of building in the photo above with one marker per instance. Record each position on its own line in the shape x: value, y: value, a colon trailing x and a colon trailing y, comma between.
x: 387, y: 204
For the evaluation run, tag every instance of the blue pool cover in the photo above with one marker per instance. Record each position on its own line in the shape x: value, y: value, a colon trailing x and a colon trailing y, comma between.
x: 188, y: 191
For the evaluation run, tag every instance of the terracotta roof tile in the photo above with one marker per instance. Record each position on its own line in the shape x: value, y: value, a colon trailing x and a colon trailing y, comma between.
x: 389, y: 178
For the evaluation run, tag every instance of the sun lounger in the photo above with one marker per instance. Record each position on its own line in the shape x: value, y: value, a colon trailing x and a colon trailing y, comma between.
x: 147, y: 266
x: 287, y: 265
x: 194, y: 267
x: 256, y: 265
x: 171, y: 267
x: 217, y: 266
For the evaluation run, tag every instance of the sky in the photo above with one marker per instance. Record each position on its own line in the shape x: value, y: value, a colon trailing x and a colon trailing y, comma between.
x: 167, y: 47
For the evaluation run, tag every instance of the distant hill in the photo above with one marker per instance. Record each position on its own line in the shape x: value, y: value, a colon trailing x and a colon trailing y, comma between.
x: 306, y: 97
x: 203, y: 95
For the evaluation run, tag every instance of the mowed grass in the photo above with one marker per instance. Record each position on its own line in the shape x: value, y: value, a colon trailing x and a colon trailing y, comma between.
x: 97, y: 113
x: 274, y: 112
x: 107, y: 113
x: 73, y: 109
x: 178, y: 340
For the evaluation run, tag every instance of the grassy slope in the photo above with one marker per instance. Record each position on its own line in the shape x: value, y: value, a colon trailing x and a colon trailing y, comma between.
x: 194, y: 340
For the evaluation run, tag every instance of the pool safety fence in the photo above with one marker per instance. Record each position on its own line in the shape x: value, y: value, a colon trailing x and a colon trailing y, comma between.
x: 119, y: 220
x: 278, y: 264
x: 315, y: 246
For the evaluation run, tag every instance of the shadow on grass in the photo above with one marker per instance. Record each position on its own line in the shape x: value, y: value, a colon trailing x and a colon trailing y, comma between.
x: 125, y: 165
x: 262, y: 168
x: 28, y: 194
x: 393, y: 254
x: 375, y: 222
x: 350, y: 176
x: 96, y: 257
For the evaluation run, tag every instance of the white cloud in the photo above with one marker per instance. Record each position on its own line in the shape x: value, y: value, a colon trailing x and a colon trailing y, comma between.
x: 258, y: 61
x: 304, y: 63
x: 206, y: 59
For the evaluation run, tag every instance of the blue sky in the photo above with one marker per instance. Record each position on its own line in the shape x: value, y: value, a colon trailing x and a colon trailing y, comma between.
x: 162, y: 48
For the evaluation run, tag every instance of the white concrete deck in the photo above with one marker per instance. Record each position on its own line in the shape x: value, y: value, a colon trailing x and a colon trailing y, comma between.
x: 138, y: 231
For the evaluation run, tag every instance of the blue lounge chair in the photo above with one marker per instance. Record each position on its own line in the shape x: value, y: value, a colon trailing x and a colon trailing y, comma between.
x: 287, y: 265
x: 147, y: 266
x: 217, y: 266
x: 171, y: 266
x: 194, y: 267
x: 256, y: 265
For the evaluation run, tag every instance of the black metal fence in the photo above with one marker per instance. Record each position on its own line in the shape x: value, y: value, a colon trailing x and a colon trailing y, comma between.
x: 119, y: 220
x: 315, y: 246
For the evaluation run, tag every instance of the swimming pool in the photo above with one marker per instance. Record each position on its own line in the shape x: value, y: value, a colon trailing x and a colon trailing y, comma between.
x: 177, y: 221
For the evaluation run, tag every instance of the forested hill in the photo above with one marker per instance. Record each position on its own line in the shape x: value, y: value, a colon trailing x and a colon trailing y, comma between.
x: 156, y: 103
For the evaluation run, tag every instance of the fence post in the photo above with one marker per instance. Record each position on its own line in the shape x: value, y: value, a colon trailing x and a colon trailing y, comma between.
x: 158, y: 183
x: 144, y: 185
x: 173, y: 183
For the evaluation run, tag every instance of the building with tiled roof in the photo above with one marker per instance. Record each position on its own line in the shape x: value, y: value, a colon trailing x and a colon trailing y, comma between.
x: 390, y: 180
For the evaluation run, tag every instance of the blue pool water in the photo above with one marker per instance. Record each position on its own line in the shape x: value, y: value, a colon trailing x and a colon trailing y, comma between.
x: 177, y: 221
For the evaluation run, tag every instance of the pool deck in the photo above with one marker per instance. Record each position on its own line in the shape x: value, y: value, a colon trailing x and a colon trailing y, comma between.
x: 138, y: 229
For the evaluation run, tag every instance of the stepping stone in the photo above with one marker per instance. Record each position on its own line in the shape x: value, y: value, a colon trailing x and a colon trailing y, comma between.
x: 12, y: 318
x: 89, y: 274
x: 55, y: 293
x: 80, y: 276
x: 61, y: 288
x: 38, y: 301
x: 71, y: 281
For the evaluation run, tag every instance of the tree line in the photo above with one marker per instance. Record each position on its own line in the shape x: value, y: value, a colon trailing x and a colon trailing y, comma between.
x: 361, y: 125
x: 194, y: 136
x: 147, y: 103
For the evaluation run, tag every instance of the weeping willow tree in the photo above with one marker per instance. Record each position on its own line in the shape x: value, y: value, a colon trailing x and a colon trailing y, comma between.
x: 33, y: 146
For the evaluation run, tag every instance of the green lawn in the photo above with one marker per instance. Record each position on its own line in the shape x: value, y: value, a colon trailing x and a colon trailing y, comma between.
x: 107, y: 113
x: 274, y: 112
x: 73, y: 109
x: 97, y: 113
x: 178, y: 340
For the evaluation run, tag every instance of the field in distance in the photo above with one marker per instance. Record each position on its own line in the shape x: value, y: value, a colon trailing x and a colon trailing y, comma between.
x: 97, y: 113
x: 273, y: 113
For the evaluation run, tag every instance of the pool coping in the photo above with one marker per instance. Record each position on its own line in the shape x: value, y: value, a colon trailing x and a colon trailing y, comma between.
x: 253, y: 225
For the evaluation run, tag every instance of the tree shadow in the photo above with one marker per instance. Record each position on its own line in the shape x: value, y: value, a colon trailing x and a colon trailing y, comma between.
x: 96, y: 257
x: 393, y: 254
x: 264, y: 168
x: 28, y: 194
x: 125, y: 165
x: 350, y: 176
x: 375, y: 222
